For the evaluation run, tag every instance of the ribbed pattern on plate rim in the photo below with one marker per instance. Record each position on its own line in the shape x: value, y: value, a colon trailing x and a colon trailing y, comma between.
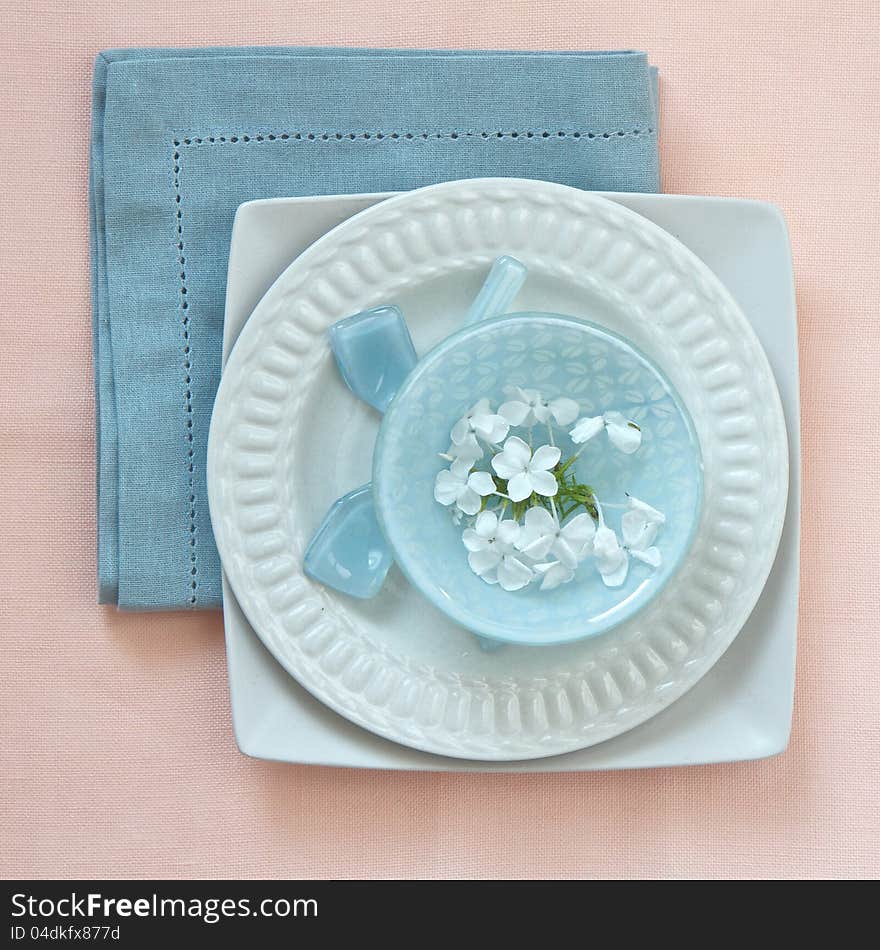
x: 722, y: 374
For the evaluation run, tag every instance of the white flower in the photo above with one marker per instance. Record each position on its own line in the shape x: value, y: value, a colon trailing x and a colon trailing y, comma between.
x: 480, y: 419
x: 624, y: 434
x: 458, y: 485
x: 468, y: 451
x: 612, y: 561
x: 586, y: 429
x: 542, y: 535
x: 538, y: 547
x: 528, y: 407
x: 639, y: 527
x: 492, y: 552
x: 554, y: 574
x: 526, y: 473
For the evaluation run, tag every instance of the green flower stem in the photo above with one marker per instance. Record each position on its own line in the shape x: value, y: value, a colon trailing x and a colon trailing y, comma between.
x: 565, y: 466
x: 572, y: 494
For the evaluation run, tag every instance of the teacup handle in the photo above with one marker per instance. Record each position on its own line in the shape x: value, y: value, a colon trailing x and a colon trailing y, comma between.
x: 503, y: 283
x: 375, y: 353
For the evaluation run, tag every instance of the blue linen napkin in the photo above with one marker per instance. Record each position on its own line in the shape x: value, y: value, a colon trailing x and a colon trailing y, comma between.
x: 181, y: 137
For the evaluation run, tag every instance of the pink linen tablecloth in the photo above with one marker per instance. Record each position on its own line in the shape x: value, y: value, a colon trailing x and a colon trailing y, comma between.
x: 117, y: 752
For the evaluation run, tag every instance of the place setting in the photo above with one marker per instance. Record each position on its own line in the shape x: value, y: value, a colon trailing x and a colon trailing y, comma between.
x: 487, y: 449
x: 498, y: 470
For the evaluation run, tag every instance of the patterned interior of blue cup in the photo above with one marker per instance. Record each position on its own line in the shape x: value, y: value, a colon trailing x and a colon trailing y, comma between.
x: 558, y: 356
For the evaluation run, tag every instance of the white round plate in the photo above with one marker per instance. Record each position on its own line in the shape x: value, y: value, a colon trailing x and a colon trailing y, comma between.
x: 287, y: 438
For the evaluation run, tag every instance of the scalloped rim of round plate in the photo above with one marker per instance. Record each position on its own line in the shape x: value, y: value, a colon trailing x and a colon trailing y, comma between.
x: 602, y: 725
x: 446, y: 605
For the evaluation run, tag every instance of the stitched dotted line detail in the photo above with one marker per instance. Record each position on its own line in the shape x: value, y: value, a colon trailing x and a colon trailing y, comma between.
x: 406, y: 136
x: 187, y: 367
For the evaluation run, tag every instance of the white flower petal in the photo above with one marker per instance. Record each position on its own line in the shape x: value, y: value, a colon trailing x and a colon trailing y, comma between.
x: 649, y: 535
x: 564, y: 410
x: 614, y: 418
x: 616, y: 577
x: 652, y: 515
x: 554, y: 575
x: 460, y: 431
x: 624, y: 435
x: 508, y: 533
x: 537, y: 548
x: 472, y: 541
x: 636, y: 531
x: 461, y: 465
x: 566, y: 554
x: 460, y: 469
x: 611, y: 560
x: 545, y: 457
x: 541, y: 412
x: 468, y: 450
x: 499, y: 430
x: 490, y: 428
x: 481, y: 483
x: 542, y: 482
x: 579, y: 531
x: 486, y: 524
x: 540, y: 520
x: 481, y: 562
x: 469, y: 501
x: 538, y: 533
x: 586, y: 429
x: 520, y: 486
x: 481, y: 407
x: 514, y: 412
x: 625, y: 439
x: 650, y: 556
x: 517, y: 452
x: 446, y: 487
x: 513, y: 574
x: 607, y: 550
x: 504, y: 467
x: 632, y: 527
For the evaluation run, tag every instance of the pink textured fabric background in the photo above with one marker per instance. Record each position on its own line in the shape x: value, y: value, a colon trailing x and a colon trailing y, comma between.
x: 117, y: 751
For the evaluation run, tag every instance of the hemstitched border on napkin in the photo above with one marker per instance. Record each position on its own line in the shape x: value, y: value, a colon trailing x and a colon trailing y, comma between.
x: 187, y: 367
x: 405, y: 136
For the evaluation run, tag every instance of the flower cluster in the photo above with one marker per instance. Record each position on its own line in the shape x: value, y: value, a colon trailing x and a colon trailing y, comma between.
x: 528, y: 518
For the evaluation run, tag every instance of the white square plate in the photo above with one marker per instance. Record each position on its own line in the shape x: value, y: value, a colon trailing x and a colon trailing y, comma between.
x: 742, y: 708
